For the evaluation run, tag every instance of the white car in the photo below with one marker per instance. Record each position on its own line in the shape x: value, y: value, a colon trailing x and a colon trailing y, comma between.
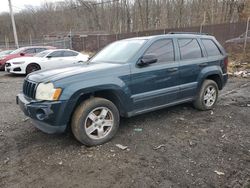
x: 48, y: 59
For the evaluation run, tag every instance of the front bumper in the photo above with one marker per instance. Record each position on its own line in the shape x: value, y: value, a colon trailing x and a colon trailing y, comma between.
x: 48, y: 116
x: 16, y: 69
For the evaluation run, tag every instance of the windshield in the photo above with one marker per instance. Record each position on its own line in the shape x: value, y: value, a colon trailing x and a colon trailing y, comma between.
x: 6, y: 52
x: 42, y: 54
x: 17, y: 51
x: 119, y: 52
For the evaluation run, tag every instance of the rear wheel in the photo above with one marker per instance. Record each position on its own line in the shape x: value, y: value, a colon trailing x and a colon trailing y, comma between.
x: 207, y: 96
x: 95, y: 121
x: 32, y: 68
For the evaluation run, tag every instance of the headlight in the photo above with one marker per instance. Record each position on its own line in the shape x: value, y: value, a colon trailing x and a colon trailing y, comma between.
x: 47, y: 92
x: 16, y: 63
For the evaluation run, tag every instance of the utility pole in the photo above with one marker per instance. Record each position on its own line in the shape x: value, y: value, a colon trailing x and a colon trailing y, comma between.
x: 203, y: 22
x: 147, y: 12
x: 246, y: 36
x: 13, y: 25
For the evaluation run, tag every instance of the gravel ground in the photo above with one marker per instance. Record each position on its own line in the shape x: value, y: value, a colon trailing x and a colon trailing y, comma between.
x: 174, y: 147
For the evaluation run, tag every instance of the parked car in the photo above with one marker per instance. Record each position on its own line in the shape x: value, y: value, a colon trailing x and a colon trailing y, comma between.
x: 239, y: 40
x: 5, y: 53
x: 24, y: 51
x: 127, y: 78
x: 48, y: 59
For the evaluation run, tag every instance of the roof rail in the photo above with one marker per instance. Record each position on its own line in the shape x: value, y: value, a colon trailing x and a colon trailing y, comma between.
x: 194, y: 33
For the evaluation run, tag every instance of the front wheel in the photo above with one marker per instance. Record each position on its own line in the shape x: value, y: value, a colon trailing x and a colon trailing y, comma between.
x: 95, y: 121
x: 207, y: 96
x: 32, y: 68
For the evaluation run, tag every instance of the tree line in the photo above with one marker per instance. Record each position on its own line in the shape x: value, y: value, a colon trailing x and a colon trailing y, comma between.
x: 118, y: 16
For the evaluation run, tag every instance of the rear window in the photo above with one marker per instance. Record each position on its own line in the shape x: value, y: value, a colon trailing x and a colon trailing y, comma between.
x: 211, y: 47
x: 189, y: 49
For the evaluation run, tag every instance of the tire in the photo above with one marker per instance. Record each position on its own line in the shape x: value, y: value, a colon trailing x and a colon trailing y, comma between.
x: 32, y: 68
x: 209, y: 90
x: 95, y: 121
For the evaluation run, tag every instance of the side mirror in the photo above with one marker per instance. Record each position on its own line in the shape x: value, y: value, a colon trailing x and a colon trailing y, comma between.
x: 22, y: 54
x: 49, y: 56
x: 147, y: 59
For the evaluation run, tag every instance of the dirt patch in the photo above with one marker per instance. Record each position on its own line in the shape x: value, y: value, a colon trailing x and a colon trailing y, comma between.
x: 173, y: 147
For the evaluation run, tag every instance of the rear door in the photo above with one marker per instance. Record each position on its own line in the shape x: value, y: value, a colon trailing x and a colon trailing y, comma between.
x: 156, y: 84
x: 69, y: 57
x: 192, y: 60
x: 54, y: 60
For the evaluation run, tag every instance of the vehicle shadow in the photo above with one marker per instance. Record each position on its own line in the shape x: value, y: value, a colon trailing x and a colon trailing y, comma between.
x: 14, y: 75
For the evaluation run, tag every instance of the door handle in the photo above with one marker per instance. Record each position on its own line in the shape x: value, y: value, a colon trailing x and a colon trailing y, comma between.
x: 203, y: 65
x: 172, y: 69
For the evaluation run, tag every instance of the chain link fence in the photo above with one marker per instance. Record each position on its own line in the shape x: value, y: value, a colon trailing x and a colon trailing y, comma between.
x: 222, y: 32
x: 62, y: 44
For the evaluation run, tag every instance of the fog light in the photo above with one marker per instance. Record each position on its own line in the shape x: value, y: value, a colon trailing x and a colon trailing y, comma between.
x: 41, y: 114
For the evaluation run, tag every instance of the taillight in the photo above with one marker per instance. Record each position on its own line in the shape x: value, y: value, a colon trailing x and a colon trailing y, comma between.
x: 225, y: 64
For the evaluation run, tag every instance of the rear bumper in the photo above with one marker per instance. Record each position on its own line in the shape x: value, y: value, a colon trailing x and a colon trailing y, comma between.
x: 45, y: 115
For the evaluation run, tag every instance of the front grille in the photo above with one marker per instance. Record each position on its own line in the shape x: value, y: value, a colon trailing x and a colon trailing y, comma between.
x: 7, y: 64
x: 29, y: 89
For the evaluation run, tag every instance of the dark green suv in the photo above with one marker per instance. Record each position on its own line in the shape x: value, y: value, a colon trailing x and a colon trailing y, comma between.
x: 127, y: 78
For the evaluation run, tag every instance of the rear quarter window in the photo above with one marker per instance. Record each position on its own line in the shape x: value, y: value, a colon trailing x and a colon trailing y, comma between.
x: 189, y: 49
x: 211, y: 48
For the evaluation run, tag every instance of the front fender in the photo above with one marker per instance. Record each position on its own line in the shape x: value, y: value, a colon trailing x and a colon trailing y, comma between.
x: 76, y: 90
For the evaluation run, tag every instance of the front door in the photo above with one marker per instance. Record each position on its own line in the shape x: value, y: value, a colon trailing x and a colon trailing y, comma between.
x: 156, y: 84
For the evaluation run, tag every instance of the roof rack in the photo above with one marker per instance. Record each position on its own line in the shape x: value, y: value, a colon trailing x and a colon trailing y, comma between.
x: 194, y: 33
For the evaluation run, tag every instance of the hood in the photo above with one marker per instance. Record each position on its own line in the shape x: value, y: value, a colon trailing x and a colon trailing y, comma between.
x: 18, y: 59
x: 11, y: 56
x: 57, y: 74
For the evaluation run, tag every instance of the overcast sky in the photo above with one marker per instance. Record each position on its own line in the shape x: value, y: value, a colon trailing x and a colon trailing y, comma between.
x: 20, y: 4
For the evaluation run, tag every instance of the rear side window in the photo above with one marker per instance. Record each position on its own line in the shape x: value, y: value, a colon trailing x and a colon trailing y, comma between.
x: 69, y: 53
x: 189, y: 49
x: 163, y: 49
x: 40, y: 50
x: 211, y: 47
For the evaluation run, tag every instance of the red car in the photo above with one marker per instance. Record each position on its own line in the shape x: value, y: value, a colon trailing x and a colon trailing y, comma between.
x: 24, y: 51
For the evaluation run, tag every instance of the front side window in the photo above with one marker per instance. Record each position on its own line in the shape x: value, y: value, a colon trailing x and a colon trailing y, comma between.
x: 211, y: 47
x: 119, y: 52
x: 56, y: 54
x: 163, y: 49
x: 42, y: 54
x: 189, y: 49
x: 30, y: 51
